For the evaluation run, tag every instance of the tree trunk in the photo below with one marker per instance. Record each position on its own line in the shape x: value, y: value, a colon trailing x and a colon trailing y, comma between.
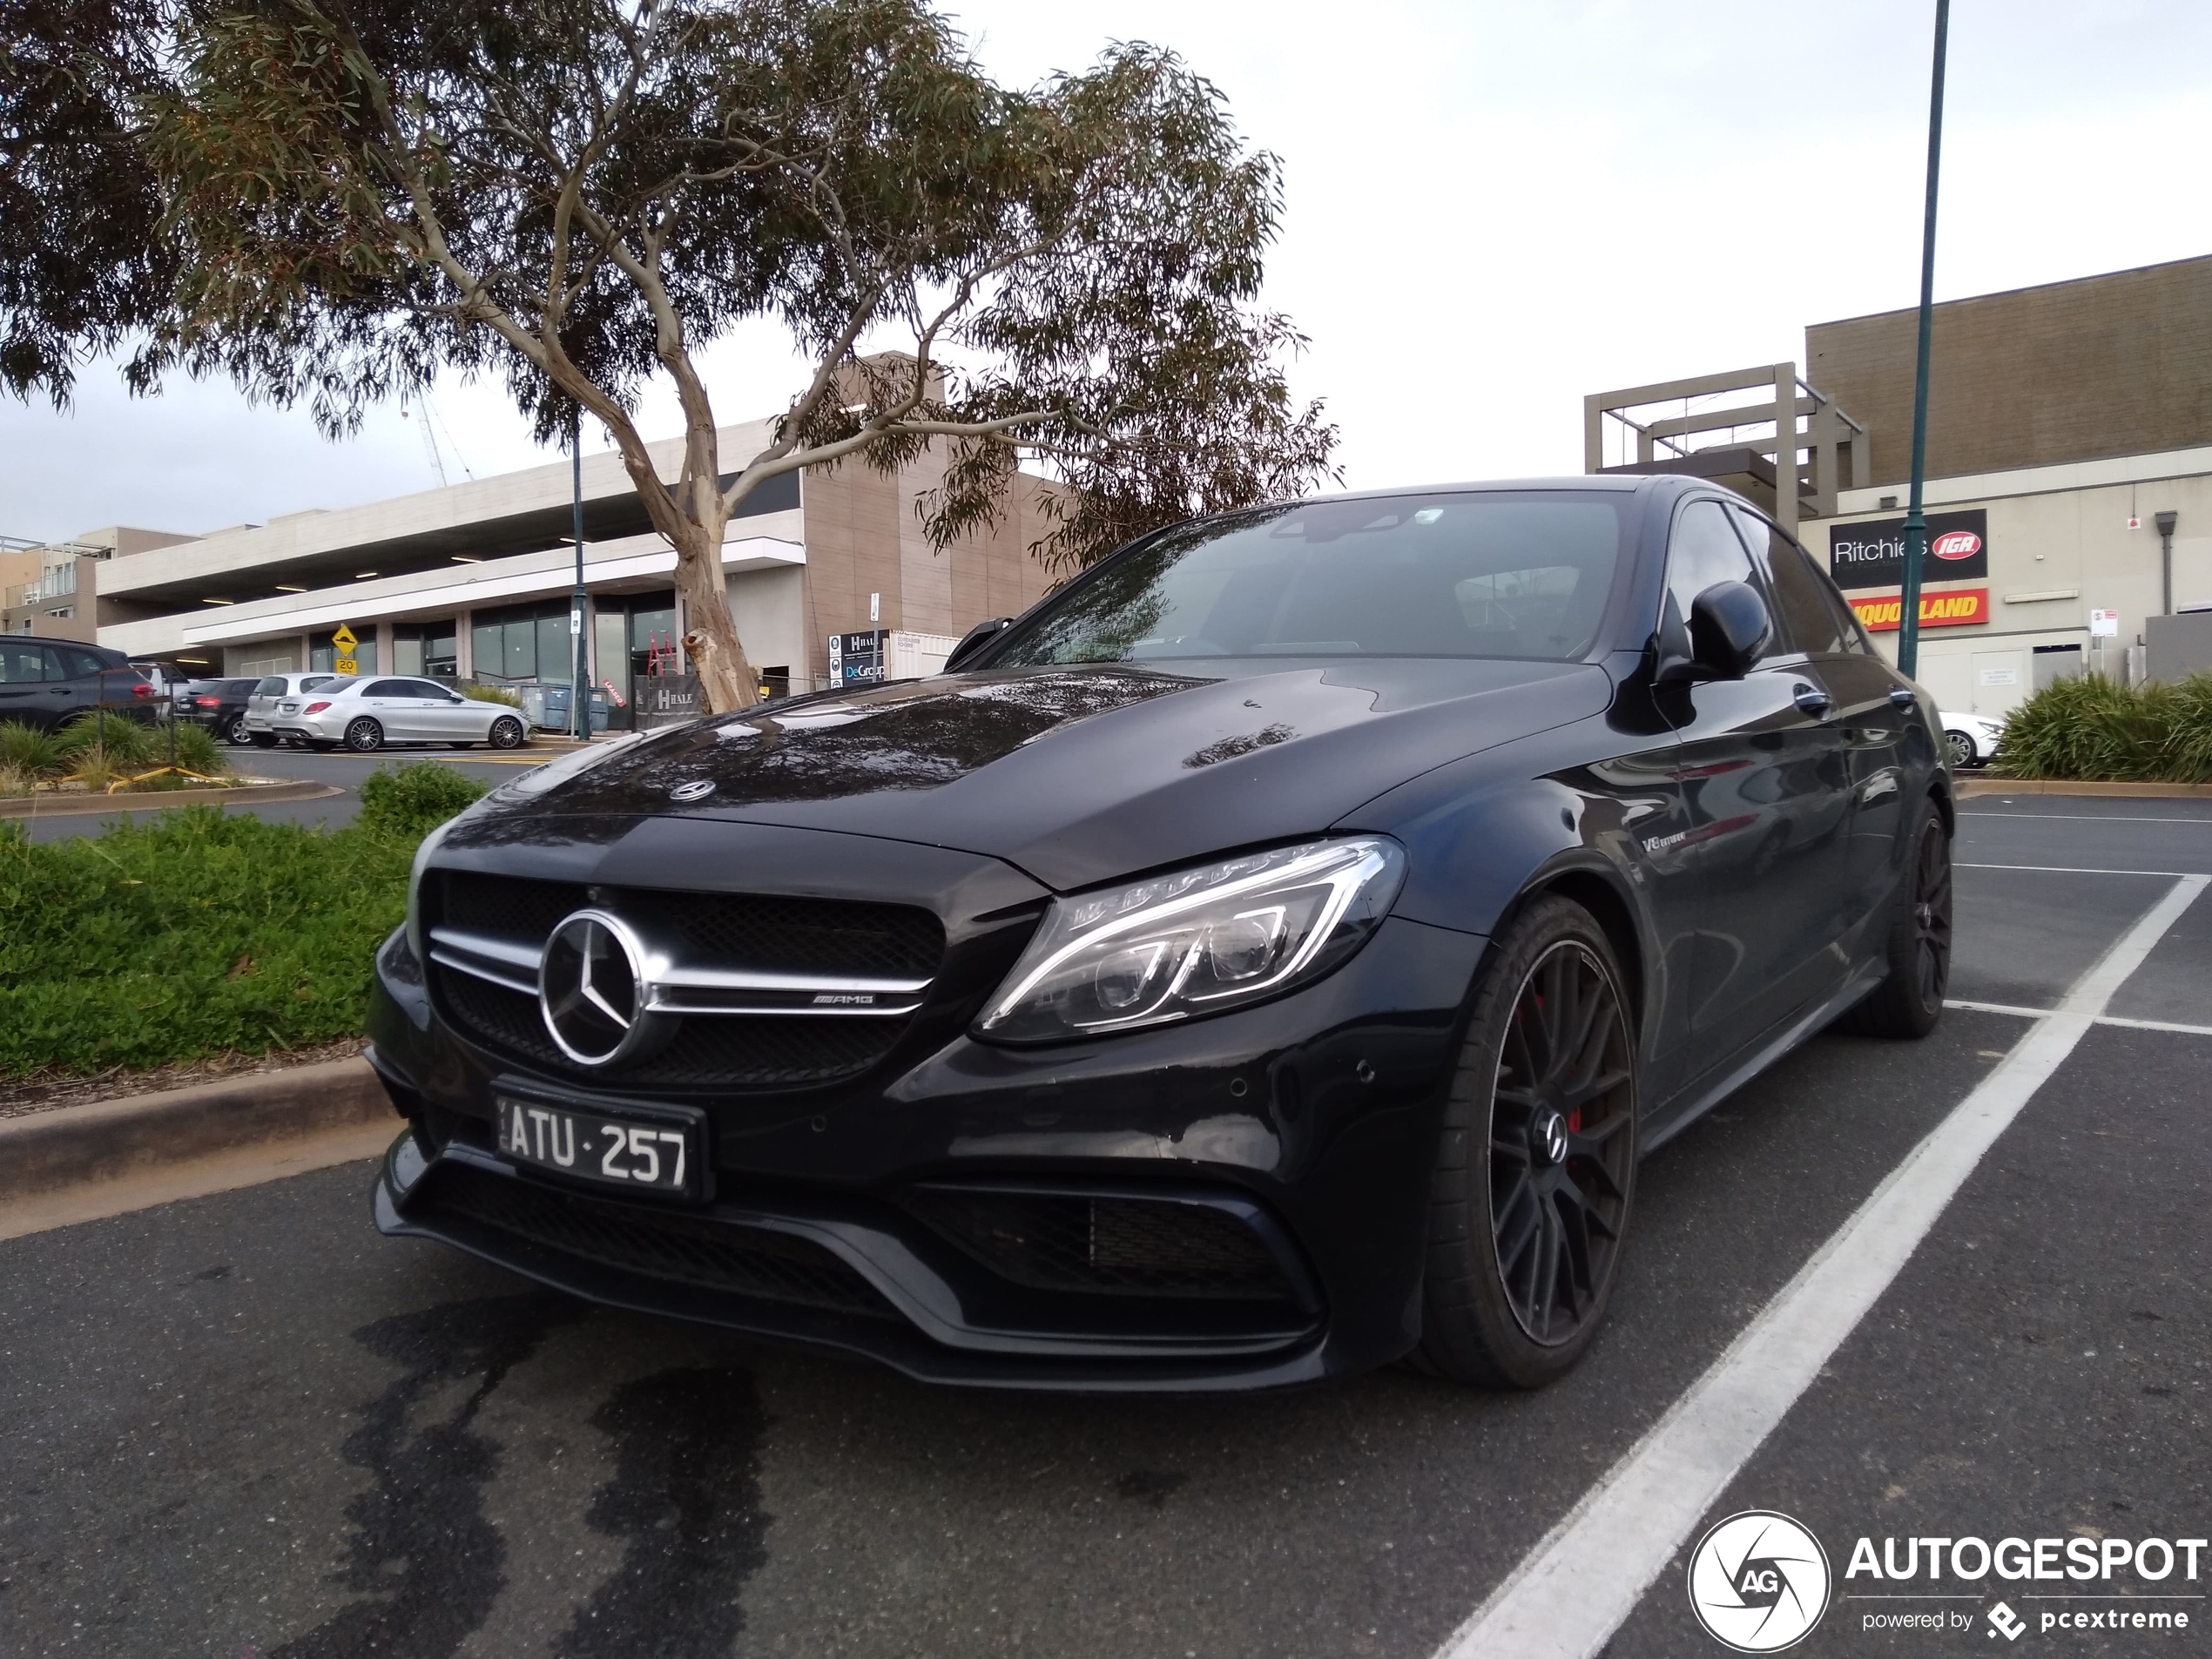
x: 727, y: 680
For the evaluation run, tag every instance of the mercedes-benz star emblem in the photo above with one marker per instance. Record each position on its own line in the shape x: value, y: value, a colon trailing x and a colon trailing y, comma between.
x: 1551, y: 1136
x: 591, y: 988
x: 698, y: 789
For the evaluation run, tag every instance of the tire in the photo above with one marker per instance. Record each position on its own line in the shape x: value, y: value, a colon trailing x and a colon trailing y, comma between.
x: 1959, y: 745
x: 235, y: 733
x: 1916, y: 945
x: 364, y: 736
x: 1530, y: 1200
x: 262, y: 739
x: 507, y: 732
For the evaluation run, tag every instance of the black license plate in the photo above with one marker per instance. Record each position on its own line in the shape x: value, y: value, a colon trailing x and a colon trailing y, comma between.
x: 632, y: 1154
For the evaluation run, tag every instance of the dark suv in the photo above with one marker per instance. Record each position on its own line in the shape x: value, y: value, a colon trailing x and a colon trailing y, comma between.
x: 218, y: 704
x: 50, y: 682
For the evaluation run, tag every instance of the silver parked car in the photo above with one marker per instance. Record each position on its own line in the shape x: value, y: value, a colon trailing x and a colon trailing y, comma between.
x: 261, y: 707
x: 366, y: 712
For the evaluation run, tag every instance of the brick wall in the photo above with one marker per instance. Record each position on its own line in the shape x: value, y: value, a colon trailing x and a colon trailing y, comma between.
x: 2118, y: 364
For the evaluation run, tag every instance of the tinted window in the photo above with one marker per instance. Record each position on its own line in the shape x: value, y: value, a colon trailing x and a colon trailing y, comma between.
x: 1807, y: 612
x: 239, y: 688
x: 75, y: 664
x: 20, y: 664
x: 435, y: 692
x: 321, y: 682
x: 271, y: 687
x: 1494, y: 574
x: 1703, y: 550
x: 390, y: 688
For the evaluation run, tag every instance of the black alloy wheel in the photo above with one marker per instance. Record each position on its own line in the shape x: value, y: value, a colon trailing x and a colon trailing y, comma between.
x: 1960, y: 747
x: 1909, y: 1000
x: 364, y: 736
x: 1536, y: 1177
x: 507, y: 732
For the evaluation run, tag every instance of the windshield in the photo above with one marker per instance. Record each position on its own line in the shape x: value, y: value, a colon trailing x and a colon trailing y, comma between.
x: 1518, y: 574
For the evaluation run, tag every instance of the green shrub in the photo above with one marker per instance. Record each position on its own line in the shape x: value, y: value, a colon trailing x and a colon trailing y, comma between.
x: 513, y: 699
x: 196, y: 933
x: 120, y: 741
x: 2094, y: 728
x: 414, y: 800
x: 197, y: 751
x: 30, y: 750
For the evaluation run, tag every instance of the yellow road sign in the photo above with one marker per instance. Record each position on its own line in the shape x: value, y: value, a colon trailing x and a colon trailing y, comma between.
x: 343, y: 638
x: 346, y: 666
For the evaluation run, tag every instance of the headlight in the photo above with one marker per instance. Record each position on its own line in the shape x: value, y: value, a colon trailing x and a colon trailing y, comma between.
x: 414, y: 885
x: 1196, y: 941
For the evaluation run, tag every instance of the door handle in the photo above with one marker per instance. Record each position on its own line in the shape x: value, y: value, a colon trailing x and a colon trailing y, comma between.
x: 1813, y: 701
x: 1901, y: 697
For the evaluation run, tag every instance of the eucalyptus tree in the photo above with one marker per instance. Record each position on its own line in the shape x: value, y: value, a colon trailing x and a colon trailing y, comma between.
x: 580, y: 195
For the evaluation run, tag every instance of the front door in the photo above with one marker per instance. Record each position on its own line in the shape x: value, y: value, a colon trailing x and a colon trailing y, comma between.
x: 1767, y: 798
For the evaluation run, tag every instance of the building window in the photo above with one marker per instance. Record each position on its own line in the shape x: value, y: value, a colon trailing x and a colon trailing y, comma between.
x: 428, y: 648
x: 524, y: 643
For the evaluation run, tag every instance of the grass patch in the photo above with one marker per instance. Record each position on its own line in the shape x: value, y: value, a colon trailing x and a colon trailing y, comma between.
x: 2095, y: 729
x: 201, y: 933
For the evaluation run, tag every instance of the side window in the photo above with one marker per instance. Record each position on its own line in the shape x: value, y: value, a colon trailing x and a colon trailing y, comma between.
x: 272, y: 686
x: 1816, y: 620
x: 389, y: 688
x: 1704, y: 550
x: 20, y: 664
x: 315, y: 682
x: 434, y: 693
x: 72, y: 664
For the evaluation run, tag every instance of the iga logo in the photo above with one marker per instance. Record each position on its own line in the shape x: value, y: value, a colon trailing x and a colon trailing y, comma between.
x: 1758, y: 1582
x: 1955, y: 545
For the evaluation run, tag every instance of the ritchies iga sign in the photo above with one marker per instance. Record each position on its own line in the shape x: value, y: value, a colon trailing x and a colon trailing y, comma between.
x: 1871, y: 555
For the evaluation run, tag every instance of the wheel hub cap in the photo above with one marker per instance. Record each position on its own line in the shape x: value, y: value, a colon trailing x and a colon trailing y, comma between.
x: 1547, y: 1136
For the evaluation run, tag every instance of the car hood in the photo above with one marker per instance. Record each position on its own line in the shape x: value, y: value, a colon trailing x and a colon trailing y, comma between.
x: 1080, y: 773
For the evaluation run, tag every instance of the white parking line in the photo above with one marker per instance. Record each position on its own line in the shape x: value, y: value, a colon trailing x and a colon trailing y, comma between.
x: 2088, y: 817
x: 2074, y: 869
x: 2102, y: 1019
x: 1583, y: 1580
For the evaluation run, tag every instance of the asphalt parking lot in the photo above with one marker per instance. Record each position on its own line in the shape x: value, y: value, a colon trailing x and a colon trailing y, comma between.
x: 247, y: 1426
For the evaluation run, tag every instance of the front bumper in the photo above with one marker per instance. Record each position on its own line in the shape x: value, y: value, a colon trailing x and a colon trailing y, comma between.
x: 1310, y: 1122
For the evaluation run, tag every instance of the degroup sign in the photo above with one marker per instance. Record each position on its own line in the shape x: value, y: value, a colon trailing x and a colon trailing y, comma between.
x: 1953, y: 608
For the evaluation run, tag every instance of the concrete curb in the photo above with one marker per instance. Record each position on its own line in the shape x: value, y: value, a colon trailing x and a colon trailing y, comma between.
x: 245, y: 795
x: 1969, y: 787
x: 71, y: 1146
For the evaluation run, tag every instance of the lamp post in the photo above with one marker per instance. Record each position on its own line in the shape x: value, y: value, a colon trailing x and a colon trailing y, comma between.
x: 580, y: 690
x: 1916, y: 526
x: 2166, y: 521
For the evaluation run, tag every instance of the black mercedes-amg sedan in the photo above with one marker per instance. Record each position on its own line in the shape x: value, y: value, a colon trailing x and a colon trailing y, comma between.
x: 1268, y: 957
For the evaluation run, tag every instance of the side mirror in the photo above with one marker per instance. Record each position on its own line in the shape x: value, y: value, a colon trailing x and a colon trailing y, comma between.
x: 1728, y: 627
x: 972, y: 642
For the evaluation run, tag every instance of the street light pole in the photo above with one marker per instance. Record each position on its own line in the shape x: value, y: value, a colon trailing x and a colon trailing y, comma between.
x: 580, y: 691
x: 1916, y: 526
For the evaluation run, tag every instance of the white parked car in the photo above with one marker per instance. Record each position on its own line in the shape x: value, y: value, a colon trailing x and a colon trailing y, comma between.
x: 366, y: 712
x: 261, y: 706
x: 1971, y: 738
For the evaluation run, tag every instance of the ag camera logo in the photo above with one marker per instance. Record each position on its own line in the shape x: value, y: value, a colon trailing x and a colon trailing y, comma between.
x: 1758, y: 1582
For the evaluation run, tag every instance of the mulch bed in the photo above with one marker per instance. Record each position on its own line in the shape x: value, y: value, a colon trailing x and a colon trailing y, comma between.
x: 43, y: 1091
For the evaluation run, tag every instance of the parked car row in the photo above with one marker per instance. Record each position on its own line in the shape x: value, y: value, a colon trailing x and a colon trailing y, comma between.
x: 47, y: 683
x: 366, y: 712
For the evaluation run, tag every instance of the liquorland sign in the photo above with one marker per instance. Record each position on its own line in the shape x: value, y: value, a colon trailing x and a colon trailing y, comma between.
x: 1949, y: 608
x: 1871, y: 555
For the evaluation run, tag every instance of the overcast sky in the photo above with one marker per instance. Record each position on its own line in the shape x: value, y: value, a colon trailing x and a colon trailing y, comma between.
x: 1493, y: 209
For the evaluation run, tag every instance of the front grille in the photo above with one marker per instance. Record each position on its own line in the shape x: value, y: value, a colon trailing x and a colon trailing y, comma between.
x: 758, y: 932
x: 1116, y: 1246
x: 684, y: 1250
x: 758, y: 1051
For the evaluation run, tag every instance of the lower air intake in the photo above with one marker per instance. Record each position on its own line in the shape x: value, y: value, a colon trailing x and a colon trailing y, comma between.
x: 1110, y: 1246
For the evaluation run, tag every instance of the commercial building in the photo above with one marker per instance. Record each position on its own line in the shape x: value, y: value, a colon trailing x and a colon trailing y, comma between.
x: 473, y: 581
x: 52, y: 589
x: 2066, y: 424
